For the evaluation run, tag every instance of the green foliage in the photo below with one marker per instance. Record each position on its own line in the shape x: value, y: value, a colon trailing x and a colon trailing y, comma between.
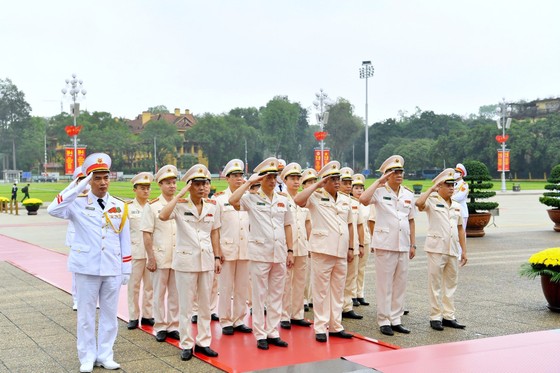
x: 478, y: 177
x: 552, y: 199
x: 343, y: 128
x: 532, y: 271
x: 158, y: 109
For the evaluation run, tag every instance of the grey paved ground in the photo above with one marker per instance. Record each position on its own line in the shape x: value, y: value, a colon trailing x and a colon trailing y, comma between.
x: 37, y: 327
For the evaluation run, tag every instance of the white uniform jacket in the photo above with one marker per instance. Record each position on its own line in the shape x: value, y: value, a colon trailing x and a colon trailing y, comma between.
x: 163, y: 239
x: 460, y: 196
x: 234, y: 230
x: 443, y: 219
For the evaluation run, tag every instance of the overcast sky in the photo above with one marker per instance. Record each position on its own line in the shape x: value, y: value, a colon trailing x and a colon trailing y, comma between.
x: 212, y: 56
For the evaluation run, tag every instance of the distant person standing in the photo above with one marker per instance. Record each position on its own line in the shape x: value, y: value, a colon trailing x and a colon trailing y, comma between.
x: 461, y: 194
x: 14, y: 192
x: 25, y: 191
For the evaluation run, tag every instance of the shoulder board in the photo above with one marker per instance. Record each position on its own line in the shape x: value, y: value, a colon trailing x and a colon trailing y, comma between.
x: 319, y: 190
x: 218, y: 194
x: 282, y: 194
x: 119, y: 199
x: 82, y: 195
x: 182, y: 200
x: 407, y: 189
x: 344, y: 194
x: 154, y: 200
x: 210, y: 201
x: 129, y: 202
x: 355, y: 199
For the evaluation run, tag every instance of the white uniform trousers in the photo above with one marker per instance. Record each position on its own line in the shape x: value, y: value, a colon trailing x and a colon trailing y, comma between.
x: 361, y: 281
x: 307, y: 291
x: 391, y: 269
x: 442, y: 281
x: 268, y: 288
x: 351, y: 284
x: 92, y: 289
x: 465, y: 219
x: 74, y: 290
x: 194, y: 286
x: 166, y: 314
x: 292, y: 300
x: 140, y: 277
x: 233, y: 282
x: 328, y: 276
x: 213, y: 296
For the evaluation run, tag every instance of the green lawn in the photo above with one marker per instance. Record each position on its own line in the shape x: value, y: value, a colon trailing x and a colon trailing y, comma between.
x: 48, y: 191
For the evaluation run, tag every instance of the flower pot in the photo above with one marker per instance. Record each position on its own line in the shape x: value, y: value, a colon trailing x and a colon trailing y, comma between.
x: 554, y: 215
x: 32, y: 209
x: 551, y: 292
x: 417, y: 188
x: 476, y: 224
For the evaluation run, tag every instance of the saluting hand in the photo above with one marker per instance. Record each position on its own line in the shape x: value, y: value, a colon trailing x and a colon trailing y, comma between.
x: 383, y: 179
x: 255, y: 179
x: 184, y: 191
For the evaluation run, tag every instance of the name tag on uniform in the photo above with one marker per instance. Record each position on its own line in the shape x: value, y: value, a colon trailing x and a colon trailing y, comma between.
x: 458, y: 210
x: 324, y: 199
x: 189, y: 213
x: 90, y: 208
x: 227, y: 204
x: 261, y: 204
x: 439, y: 205
x: 389, y: 198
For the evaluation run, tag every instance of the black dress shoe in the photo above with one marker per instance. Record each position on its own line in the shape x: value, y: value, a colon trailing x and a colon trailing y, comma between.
x: 351, y: 315
x: 405, y: 312
x: 194, y: 319
x: 227, y: 330
x: 387, y: 330
x: 174, y: 335
x: 277, y: 342
x: 205, y: 351
x: 321, y: 337
x: 285, y: 325
x: 436, y: 325
x: 452, y: 324
x: 341, y: 334
x: 401, y: 329
x: 262, y: 344
x: 186, y: 354
x: 145, y: 321
x: 161, y: 335
x: 243, y: 329
x: 132, y: 324
x: 363, y: 302
x: 355, y: 302
x: 301, y: 322
x: 310, y: 305
x: 306, y: 308
x: 214, y: 317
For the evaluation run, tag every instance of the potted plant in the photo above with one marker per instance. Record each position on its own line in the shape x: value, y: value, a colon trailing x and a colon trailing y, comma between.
x: 552, y: 198
x: 479, y: 180
x: 417, y: 188
x: 4, y: 203
x: 32, y: 205
x: 546, y: 264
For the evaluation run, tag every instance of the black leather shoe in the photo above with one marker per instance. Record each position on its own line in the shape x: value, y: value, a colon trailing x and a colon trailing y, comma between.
x: 452, y: 324
x: 341, y: 334
x: 405, y: 312
x: 145, y: 321
x: 310, y: 305
x: 174, y: 335
x: 277, y: 342
x: 214, y: 317
x: 227, y: 330
x: 362, y: 301
x: 161, y: 335
x: 262, y: 344
x: 243, y: 329
x: 205, y: 351
x: 436, y: 325
x: 194, y: 319
x: 285, y: 325
x: 306, y: 308
x: 351, y: 315
x: 132, y: 324
x: 355, y: 302
x: 321, y: 337
x: 186, y: 354
x: 399, y: 328
x: 301, y: 322
x: 387, y: 330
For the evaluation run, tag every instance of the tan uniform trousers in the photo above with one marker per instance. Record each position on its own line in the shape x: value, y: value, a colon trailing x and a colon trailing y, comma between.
x: 166, y: 314
x: 140, y: 277
x: 442, y: 282
x: 268, y: 287
x: 361, y: 281
x: 292, y: 301
x: 194, y: 286
x: 307, y: 291
x: 391, y: 268
x: 351, y: 285
x: 328, y: 276
x: 233, y: 281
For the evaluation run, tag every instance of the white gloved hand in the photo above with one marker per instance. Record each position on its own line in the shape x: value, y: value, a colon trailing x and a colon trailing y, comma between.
x: 124, y: 279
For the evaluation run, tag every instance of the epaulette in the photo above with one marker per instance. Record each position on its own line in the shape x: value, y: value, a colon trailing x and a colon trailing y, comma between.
x: 218, y: 194
x: 407, y: 188
x: 129, y: 201
x: 154, y: 200
x: 182, y: 200
x: 355, y: 199
x: 319, y: 190
x: 119, y: 199
x: 82, y: 195
x: 282, y: 194
x: 210, y: 201
x: 344, y: 194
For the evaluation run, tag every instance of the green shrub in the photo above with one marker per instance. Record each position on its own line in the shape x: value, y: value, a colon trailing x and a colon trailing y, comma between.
x: 479, y: 179
x: 552, y: 199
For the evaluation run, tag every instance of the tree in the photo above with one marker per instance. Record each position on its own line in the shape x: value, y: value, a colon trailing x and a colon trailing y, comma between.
x: 344, y: 128
x: 158, y: 109
x: 167, y: 141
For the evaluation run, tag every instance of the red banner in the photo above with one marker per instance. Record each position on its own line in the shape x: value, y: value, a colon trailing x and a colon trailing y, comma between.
x: 69, y: 159
x: 326, y: 158
x: 503, y: 159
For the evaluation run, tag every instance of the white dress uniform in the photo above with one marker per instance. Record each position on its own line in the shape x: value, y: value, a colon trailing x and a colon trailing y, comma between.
x: 99, y: 256
x: 443, y: 249
x: 268, y: 254
x: 310, y: 175
x: 233, y: 281
x: 365, y: 211
x: 351, y: 284
x: 164, y: 243
x: 391, y: 241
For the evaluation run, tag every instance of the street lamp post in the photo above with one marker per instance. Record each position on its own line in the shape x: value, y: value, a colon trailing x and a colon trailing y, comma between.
x: 504, y: 122
x: 366, y: 71
x: 73, y: 89
x: 322, y: 117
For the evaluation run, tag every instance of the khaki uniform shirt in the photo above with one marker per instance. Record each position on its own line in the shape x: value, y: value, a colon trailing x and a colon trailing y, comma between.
x: 299, y: 233
x: 164, y: 232
x: 443, y: 219
x: 330, y: 218
x: 194, y: 252
x: 357, y: 219
x: 136, y: 235
x: 267, y: 239
x: 365, y: 213
x: 393, y: 212
x: 234, y: 230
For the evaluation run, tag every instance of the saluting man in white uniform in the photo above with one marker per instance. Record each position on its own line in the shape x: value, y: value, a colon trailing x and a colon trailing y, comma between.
x: 100, y: 257
x: 461, y: 194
